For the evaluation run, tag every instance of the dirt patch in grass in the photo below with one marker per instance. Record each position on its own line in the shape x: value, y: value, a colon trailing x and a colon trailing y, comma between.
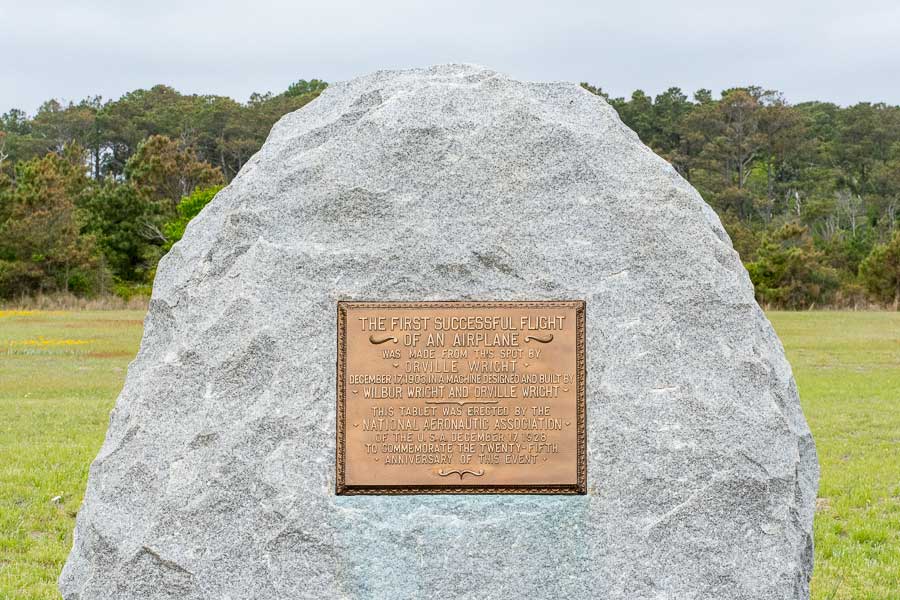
x: 95, y: 323
x: 110, y: 354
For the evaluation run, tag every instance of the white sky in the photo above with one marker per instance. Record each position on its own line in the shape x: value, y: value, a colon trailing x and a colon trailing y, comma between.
x: 842, y: 52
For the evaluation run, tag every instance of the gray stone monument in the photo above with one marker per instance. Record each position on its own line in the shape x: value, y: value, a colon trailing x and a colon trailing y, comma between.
x: 217, y: 476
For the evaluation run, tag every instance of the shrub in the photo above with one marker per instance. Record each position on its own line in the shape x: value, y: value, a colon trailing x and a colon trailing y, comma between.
x: 189, y: 207
x: 789, y: 272
x: 880, y: 272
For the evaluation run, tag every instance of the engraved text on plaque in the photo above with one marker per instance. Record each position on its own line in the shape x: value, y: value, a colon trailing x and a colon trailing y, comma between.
x: 461, y: 397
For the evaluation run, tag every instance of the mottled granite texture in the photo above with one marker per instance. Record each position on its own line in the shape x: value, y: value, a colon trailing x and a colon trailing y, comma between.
x: 216, y: 479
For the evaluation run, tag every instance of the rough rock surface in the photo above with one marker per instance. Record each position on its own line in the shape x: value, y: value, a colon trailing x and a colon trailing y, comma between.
x: 216, y: 479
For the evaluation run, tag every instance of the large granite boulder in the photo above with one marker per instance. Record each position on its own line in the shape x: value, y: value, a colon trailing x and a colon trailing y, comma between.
x: 217, y: 476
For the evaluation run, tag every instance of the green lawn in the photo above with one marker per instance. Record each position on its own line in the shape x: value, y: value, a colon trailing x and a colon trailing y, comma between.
x: 60, y: 373
x: 847, y: 366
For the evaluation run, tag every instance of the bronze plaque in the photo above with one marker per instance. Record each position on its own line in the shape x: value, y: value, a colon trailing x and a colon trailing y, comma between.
x: 461, y: 398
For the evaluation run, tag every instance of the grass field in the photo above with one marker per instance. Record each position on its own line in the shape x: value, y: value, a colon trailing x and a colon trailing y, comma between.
x: 60, y: 373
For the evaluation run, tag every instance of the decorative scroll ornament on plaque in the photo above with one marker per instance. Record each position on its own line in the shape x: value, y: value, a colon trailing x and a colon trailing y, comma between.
x: 461, y: 397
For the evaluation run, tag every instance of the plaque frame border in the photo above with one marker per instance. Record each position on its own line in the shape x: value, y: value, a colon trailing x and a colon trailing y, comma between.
x: 578, y: 488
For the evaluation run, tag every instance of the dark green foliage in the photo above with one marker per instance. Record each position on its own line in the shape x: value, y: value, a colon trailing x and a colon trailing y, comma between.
x: 92, y: 190
x: 790, y: 272
x: 164, y: 171
x: 880, y: 272
x: 805, y: 191
x: 810, y: 193
x: 303, y: 87
x: 222, y: 132
x: 189, y: 207
x: 42, y: 248
x: 124, y: 223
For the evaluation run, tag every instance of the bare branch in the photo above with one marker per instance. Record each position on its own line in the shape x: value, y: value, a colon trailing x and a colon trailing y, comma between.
x: 150, y: 232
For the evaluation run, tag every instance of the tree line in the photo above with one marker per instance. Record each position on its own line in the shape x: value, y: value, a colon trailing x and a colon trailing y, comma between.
x: 93, y: 193
x: 809, y: 192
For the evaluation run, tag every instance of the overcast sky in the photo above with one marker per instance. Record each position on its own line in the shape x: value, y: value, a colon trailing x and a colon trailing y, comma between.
x: 843, y: 52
